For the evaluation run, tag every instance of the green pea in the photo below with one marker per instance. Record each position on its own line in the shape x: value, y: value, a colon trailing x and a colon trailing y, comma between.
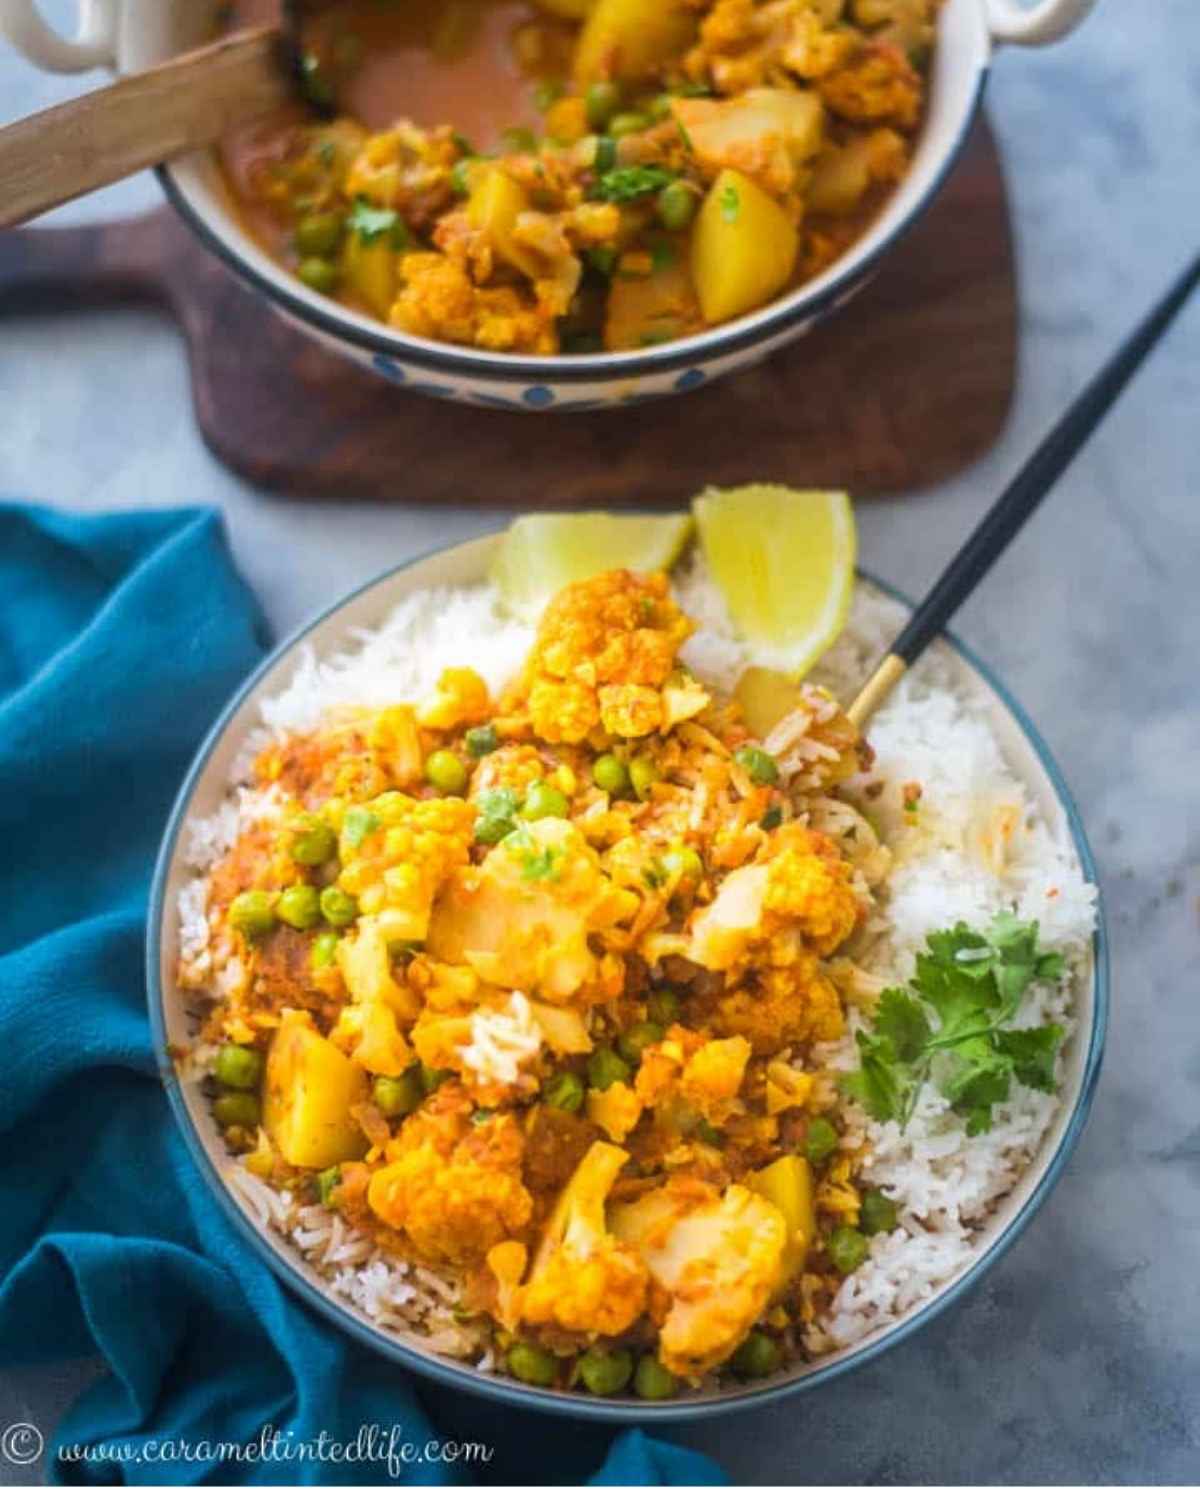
x: 564, y: 1091
x: 324, y: 950
x: 663, y: 1007
x: 532, y: 1364
x: 757, y: 764
x: 605, y: 157
x: 319, y: 274
x: 601, y: 102
x: 482, y: 741
x: 632, y: 1043
x: 659, y: 108
x: 431, y: 1078
x: 707, y: 1133
x: 771, y: 818
x: 643, y: 773
x: 338, y: 907
x: 603, y: 258
x: 313, y: 841
x: 446, y: 773
x: 396, y: 1096
x: 757, y: 1356
x: 652, y: 1380
x: 253, y: 913
x: 877, y: 1214
x: 627, y: 124
x: 610, y: 775
x: 544, y: 801
x: 518, y: 139
x: 319, y: 234
x: 847, y: 1248
x: 300, y: 907
x: 683, y: 864
x: 236, y: 1109
x: 605, y: 1371
x: 238, y: 1067
x: 676, y: 206
x: 605, y: 1068
x: 820, y: 1142
x: 326, y: 1182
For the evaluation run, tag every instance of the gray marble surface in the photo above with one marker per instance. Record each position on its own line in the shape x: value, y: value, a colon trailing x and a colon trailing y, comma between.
x: 1079, y: 1359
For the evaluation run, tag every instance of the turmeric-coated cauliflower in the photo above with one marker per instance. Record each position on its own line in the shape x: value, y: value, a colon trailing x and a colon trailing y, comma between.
x: 581, y: 1279
x: 604, y: 649
x: 716, y: 1258
x: 454, y: 1189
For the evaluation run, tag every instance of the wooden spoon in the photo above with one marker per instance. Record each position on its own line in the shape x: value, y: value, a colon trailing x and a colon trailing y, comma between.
x: 184, y: 104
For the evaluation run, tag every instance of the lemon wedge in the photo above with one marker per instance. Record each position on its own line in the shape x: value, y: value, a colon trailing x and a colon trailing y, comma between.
x: 784, y: 562
x: 540, y: 554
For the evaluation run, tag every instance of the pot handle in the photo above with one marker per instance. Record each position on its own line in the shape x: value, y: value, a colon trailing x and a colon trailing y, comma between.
x: 1034, y: 25
x: 93, y: 46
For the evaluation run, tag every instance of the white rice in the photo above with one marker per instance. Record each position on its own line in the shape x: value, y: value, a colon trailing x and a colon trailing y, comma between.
x: 930, y: 733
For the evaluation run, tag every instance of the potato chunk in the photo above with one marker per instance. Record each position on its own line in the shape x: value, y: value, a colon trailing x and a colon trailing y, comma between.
x: 788, y: 1184
x: 309, y: 1091
x: 629, y: 40
x: 495, y: 205
x: 743, y: 250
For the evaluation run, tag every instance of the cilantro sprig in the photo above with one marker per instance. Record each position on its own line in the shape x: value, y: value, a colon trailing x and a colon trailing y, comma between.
x: 972, y: 985
x: 623, y: 184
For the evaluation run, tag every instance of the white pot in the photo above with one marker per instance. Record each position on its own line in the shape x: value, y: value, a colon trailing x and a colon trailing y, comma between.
x: 129, y: 35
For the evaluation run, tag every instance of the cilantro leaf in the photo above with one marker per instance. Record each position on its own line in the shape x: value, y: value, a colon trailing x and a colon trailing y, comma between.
x: 370, y: 223
x: 1032, y: 1053
x: 538, y: 861
x: 497, y: 814
x: 730, y: 203
x: 623, y: 184
x: 357, y: 824
x: 973, y: 983
x: 902, y: 1021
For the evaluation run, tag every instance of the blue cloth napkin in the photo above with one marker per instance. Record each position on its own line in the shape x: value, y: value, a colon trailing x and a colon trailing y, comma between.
x: 120, y: 638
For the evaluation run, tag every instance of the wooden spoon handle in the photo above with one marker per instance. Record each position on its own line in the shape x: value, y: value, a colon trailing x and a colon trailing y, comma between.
x: 61, y: 153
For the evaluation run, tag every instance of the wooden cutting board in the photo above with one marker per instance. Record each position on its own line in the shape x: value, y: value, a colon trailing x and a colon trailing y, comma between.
x: 908, y: 385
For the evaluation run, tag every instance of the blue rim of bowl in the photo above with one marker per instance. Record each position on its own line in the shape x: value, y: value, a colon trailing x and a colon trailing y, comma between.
x: 681, y: 354
x: 591, y: 1408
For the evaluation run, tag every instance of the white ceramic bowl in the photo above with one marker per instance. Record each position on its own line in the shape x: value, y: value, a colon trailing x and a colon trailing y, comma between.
x: 205, y: 788
x: 129, y: 35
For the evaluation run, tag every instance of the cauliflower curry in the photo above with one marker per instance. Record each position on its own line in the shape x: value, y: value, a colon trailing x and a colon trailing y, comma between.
x: 532, y: 991
x: 569, y: 176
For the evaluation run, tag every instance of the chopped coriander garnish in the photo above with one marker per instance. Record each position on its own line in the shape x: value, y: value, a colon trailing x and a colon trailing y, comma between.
x: 729, y: 203
x: 357, y: 824
x: 497, y: 814
x: 973, y: 983
x: 370, y: 223
x: 327, y: 154
x: 538, y: 861
x: 623, y: 184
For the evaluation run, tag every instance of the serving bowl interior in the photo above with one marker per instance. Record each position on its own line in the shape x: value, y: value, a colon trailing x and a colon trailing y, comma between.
x: 152, y: 31
x: 203, y: 791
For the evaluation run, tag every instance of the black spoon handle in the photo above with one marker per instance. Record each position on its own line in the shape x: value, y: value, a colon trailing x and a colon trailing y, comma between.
x: 1022, y: 497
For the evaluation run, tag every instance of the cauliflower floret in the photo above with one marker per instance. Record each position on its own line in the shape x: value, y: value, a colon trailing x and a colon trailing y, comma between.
x: 522, y: 918
x: 879, y: 84
x: 605, y: 647
x: 717, y: 1258
x: 440, y: 301
x: 581, y: 1279
x: 805, y: 889
x: 397, y: 852
x: 713, y: 1076
x: 782, y: 1007
x: 684, y: 1078
x: 461, y: 698
x: 454, y: 1190
x: 370, y: 1034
